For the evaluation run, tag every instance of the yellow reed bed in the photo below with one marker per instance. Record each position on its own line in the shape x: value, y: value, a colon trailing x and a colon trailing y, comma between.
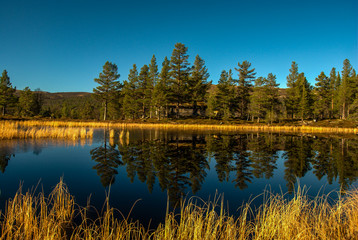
x: 29, y: 216
x: 241, y: 127
x: 20, y: 130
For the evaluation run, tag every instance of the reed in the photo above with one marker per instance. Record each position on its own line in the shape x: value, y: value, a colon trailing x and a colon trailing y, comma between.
x: 30, y: 216
x: 174, y: 126
x: 21, y: 130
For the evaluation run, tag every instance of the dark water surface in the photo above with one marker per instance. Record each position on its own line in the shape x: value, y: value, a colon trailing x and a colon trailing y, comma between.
x: 155, y: 165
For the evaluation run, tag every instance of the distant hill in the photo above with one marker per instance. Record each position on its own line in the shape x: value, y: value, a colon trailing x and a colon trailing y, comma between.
x: 65, y: 95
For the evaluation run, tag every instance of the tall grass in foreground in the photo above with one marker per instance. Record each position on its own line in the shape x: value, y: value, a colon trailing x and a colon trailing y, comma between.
x: 30, y: 216
x: 204, y: 127
x: 15, y: 129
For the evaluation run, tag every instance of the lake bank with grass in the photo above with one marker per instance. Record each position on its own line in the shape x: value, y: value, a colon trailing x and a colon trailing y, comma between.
x: 45, y: 128
x: 31, y: 215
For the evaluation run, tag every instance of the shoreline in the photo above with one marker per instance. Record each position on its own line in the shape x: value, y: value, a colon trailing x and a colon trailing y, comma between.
x: 186, y: 126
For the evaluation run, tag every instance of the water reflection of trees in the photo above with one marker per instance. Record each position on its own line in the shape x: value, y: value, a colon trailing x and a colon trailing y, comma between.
x: 177, y: 164
x: 5, y: 156
x: 181, y: 162
x: 108, y: 160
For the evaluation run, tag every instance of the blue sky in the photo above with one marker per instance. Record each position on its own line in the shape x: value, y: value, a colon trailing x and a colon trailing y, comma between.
x: 61, y: 45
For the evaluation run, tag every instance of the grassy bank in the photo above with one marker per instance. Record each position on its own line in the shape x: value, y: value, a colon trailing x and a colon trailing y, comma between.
x: 30, y: 216
x: 334, y: 129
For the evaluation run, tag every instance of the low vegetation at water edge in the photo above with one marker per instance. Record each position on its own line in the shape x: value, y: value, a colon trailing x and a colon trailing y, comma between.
x: 22, y: 130
x: 78, y: 129
x: 31, y: 216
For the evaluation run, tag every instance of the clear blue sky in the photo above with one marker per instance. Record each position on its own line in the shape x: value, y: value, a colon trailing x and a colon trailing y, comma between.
x: 61, y: 45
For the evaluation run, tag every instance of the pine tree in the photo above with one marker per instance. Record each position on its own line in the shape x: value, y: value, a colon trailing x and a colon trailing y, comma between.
x: 226, y: 95
x: 257, y: 100
x: 7, y: 92
x: 179, y: 73
x: 109, y: 86
x: 322, y: 96
x: 198, y: 85
x: 38, y: 101
x: 244, y: 87
x: 160, y: 93
x: 211, y: 104
x: 333, y: 92
x: 153, y: 75
x: 131, y: 104
x: 292, y: 98
x: 145, y: 90
x: 271, y: 97
x: 304, y: 96
x: 346, y: 87
x: 26, y: 102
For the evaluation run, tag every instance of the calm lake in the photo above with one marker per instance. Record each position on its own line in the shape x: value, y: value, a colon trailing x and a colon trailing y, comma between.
x: 157, y: 166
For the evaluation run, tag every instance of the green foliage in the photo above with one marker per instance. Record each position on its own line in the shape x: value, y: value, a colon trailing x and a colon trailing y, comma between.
x: 153, y: 75
x: 348, y: 89
x: 160, y: 93
x: 131, y: 104
x: 145, y: 89
x: 212, y: 104
x: 272, y: 105
x: 322, y: 95
x: 264, y: 100
x: 109, y: 87
x: 179, y: 76
x: 26, y: 104
x: 292, y: 98
x: 244, y: 84
x: 7, y: 92
x: 304, y: 96
x: 226, y: 95
x: 334, y: 83
x: 198, y: 85
x: 257, y: 99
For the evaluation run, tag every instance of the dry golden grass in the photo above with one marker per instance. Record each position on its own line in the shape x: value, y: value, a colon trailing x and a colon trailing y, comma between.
x: 167, y: 126
x: 30, y: 216
x: 22, y: 130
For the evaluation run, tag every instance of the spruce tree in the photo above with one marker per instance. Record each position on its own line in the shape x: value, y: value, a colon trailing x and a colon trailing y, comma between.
x: 346, y: 89
x: 26, y: 102
x: 271, y: 97
x: 160, y: 93
x: 109, y: 87
x: 153, y: 75
x: 226, y: 95
x: 304, y: 97
x: 257, y: 99
x: 179, y: 76
x: 333, y: 92
x: 145, y: 90
x: 322, y: 96
x: 7, y: 92
x: 131, y: 105
x: 292, y: 98
x: 198, y: 84
x: 244, y: 84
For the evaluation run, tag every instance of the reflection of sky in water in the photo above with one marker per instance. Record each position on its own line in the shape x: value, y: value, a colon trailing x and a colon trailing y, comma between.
x: 45, y: 161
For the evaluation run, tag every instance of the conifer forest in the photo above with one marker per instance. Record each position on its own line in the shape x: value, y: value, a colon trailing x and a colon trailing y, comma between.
x: 175, y: 88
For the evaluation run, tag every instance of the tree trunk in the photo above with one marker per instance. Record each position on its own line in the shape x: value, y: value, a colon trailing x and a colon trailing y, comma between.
x: 332, y: 109
x: 177, y: 109
x: 344, y: 111
x: 195, y: 108
x: 105, y: 111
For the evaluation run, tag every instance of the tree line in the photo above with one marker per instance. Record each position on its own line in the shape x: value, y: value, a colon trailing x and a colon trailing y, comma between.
x: 183, y: 89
